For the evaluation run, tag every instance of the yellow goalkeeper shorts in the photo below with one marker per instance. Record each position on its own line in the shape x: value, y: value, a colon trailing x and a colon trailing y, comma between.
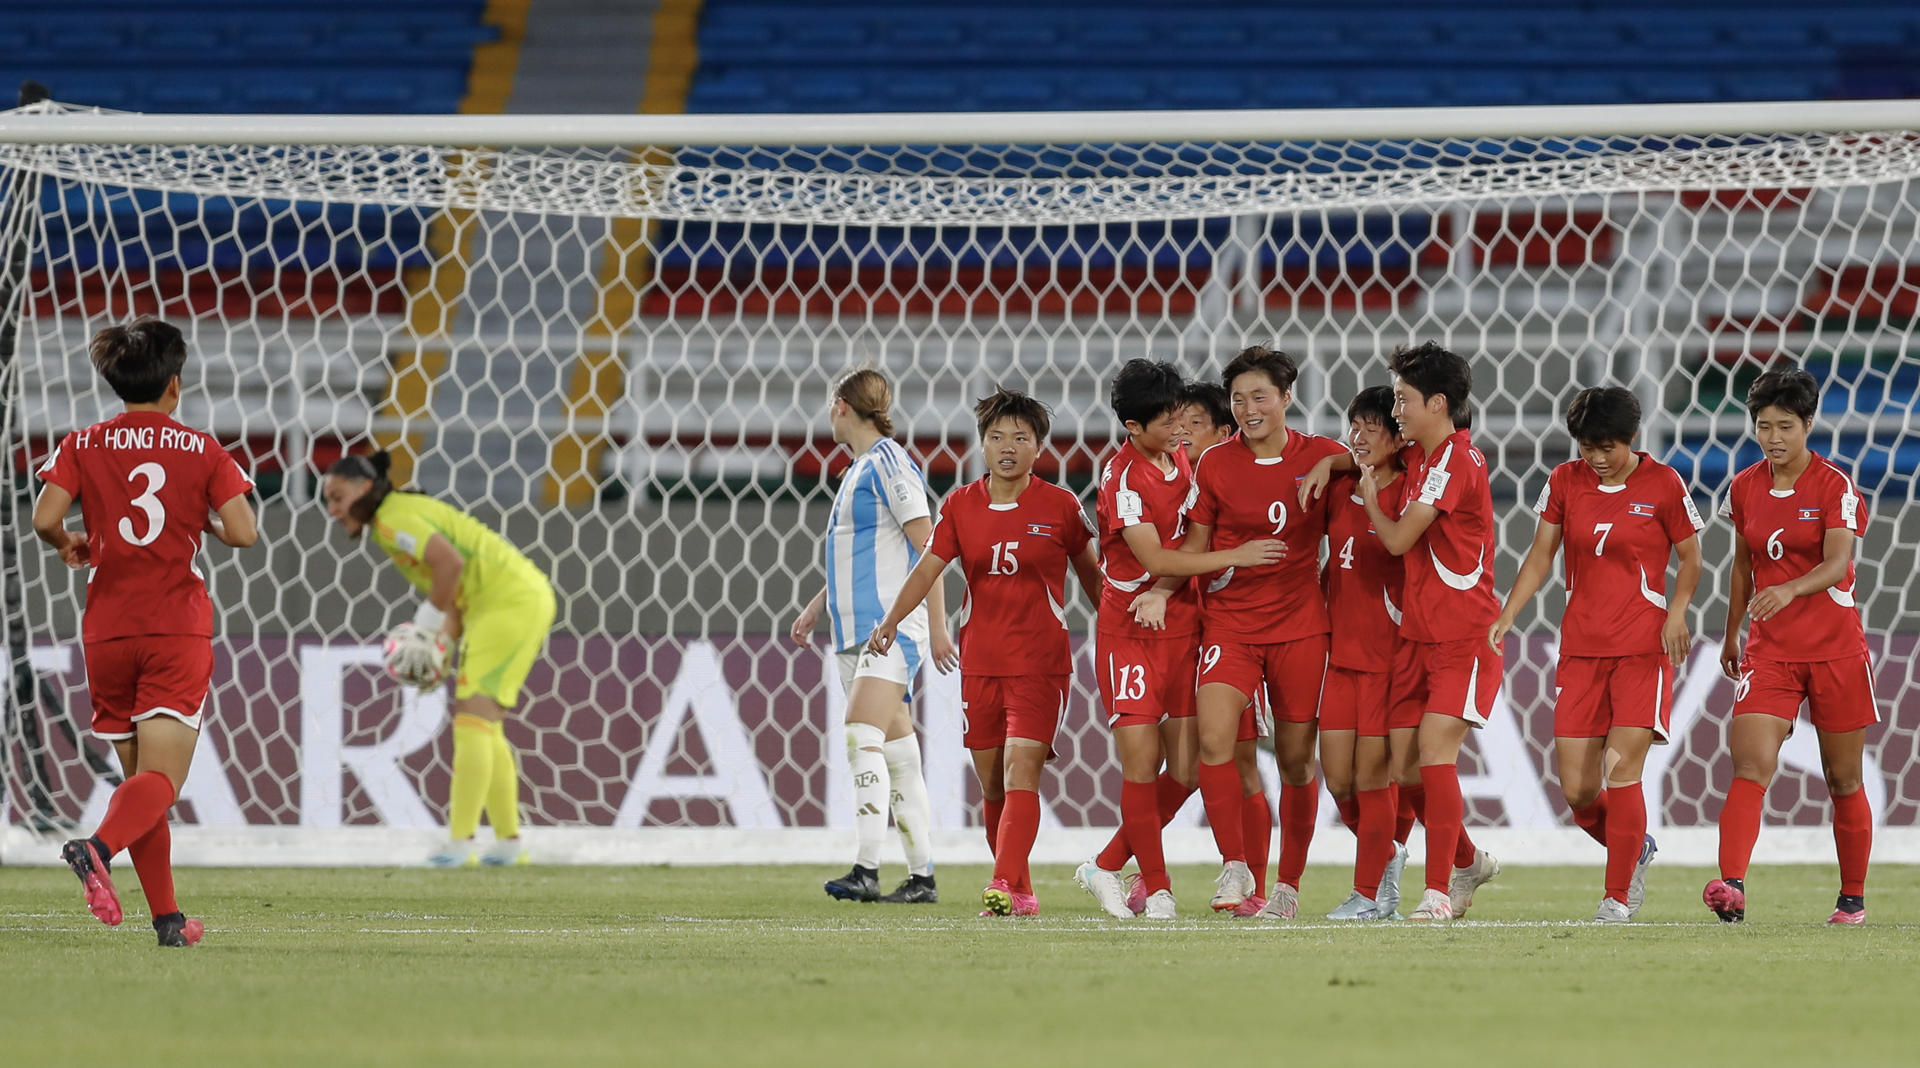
x: 499, y: 641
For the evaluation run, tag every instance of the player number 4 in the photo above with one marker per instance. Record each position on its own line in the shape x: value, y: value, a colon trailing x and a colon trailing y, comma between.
x: 1346, y: 556
x: 1602, y: 529
x: 1004, y: 562
x: 148, y: 502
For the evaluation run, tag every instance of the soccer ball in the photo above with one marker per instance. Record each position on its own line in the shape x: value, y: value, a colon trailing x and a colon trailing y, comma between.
x: 414, y: 656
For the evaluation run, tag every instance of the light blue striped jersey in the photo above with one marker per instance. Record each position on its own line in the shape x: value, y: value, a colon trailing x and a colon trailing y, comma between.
x: 868, y: 553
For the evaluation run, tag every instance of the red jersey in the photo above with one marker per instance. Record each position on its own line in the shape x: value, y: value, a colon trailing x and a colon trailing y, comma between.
x: 1449, y: 571
x: 1245, y: 498
x: 1362, y: 579
x: 1786, y: 531
x: 145, y: 484
x: 1015, y: 558
x: 1617, y: 540
x: 1134, y: 491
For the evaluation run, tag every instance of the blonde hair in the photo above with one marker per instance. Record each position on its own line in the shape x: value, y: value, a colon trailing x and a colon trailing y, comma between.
x: 866, y: 392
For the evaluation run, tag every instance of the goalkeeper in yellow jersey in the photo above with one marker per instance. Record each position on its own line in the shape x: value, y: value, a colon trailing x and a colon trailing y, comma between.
x: 481, y: 594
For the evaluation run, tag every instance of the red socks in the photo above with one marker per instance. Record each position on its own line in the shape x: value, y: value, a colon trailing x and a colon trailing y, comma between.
x: 1593, y: 818
x: 1624, y: 811
x: 1019, y: 824
x: 1463, y: 847
x: 1376, y: 840
x: 1853, y: 837
x: 1299, y: 808
x: 1444, y: 811
x: 1406, y: 810
x: 1256, y: 834
x: 1172, y: 794
x: 1740, y: 827
x: 1349, y: 813
x: 1220, y: 789
x: 135, y: 807
x: 1140, y: 823
x: 152, y: 855
x: 993, y: 812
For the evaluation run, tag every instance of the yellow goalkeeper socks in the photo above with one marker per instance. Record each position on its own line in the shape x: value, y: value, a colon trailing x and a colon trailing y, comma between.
x: 473, y: 760
x: 503, y: 791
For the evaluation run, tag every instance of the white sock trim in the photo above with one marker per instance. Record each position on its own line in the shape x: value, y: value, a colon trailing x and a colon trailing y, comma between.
x: 912, y: 808
x: 872, y: 789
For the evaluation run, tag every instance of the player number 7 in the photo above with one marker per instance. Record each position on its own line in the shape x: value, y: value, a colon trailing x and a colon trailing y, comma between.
x: 1602, y: 529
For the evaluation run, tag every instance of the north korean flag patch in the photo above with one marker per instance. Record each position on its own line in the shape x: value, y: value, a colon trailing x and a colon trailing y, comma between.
x: 1638, y: 508
x: 1809, y: 514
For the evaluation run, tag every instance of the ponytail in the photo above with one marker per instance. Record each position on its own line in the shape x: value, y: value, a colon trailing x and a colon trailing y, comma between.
x: 866, y: 392
x: 372, y: 468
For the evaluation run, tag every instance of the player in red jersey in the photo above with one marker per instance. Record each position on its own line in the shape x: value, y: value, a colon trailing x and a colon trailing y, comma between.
x: 1209, y: 421
x: 1265, y: 630
x: 1621, y: 514
x: 1446, y: 531
x: 1362, y: 582
x: 1146, y: 669
x: 1796, y: 521
x: 148, y: 487
x: 1015, y: 537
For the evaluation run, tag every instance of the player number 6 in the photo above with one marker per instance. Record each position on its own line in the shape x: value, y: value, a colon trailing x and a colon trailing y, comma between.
x: 1775, y: 550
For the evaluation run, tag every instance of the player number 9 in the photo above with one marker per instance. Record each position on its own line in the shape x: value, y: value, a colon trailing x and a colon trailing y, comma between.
x: 1209, y: 657
x: 1277, y: 515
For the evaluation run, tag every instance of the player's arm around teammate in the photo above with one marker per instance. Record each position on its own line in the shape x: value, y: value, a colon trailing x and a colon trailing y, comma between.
x: 486, y: 598
x: 1446, y: 534
x: 1797, y: 521
x: 147, y: 487
x: 1146, y: 673
x: 1621, y: 514
x: 1265, y: 631
x: 1015, y: 537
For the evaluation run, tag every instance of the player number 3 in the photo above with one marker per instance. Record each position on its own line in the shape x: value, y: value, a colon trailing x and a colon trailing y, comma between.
x: 148, y: 502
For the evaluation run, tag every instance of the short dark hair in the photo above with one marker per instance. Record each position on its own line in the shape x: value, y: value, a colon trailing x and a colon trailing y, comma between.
x: 139, y: 357
x: 1601, y: 414
x: 1789, y: 388
x: 1276, y: 365
x: 1374, y: 403
x: 1145, y: 390
x: 1214, y: 401
x: 373, y: 467
x: 1007, y: 403
x: 1433, y: 370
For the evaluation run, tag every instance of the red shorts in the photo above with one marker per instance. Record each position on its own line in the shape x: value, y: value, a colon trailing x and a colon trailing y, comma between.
x: 1144, y: 680
x: 997, y: 707
x: 1459, y: 678
x: 1354, y: 701
x: 1406, y: 698
x: 1598, y: 693
x: 1256, y: 720
x: 131, y: 679
x: 1839, y: 693
x: 1290, y: 673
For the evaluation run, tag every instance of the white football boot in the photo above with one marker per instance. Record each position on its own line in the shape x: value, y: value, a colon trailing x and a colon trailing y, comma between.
x: 1107, y: 889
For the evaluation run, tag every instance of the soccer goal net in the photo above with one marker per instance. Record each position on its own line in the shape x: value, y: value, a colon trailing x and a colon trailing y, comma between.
x: 614, y: 337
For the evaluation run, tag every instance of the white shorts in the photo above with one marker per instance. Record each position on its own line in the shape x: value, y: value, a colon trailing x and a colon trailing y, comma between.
x: 901, y: 664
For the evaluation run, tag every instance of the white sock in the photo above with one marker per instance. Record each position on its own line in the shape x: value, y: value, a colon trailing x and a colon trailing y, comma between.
x: 871, y: 790
x: 912, y: 811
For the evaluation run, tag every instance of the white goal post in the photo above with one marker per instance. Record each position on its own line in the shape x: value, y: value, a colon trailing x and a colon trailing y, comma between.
x: 613, y: 337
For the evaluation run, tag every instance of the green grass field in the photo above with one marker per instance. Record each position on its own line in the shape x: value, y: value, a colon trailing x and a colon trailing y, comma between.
x: 755, y: 966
